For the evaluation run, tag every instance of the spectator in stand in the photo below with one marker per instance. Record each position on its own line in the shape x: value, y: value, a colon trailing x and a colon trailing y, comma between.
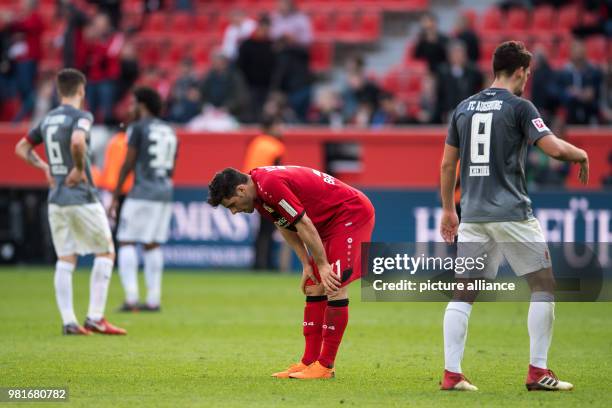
x: 580, y: 84
x: 390, y: 112
x: 241, y: 27
x: 426, y: 111
x: 224, y: 87
x: 184, y: 103
x: 26, y: 52
x: 291, y: 25
x: 112, y: 8
x: 7, y: 90
x: 457, y: 80
x: 103, y: 67
x: 358, y: 90
x: 465, y: 33
x: 431, y: 44
x: 130, y: 69
x: 293, y: 34
x: 544, y: 90
x: 73, y: 51
x: 256, y: 60
x: 327, y: 108
x: 277, y: 107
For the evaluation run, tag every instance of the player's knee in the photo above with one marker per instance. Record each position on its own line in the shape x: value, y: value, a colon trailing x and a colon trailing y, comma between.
x: 542, y: 281
x: 148, y: 247
x: 340, y: 294
x: 68, y: 258
x: 108, y: 255
x: 314, y: 290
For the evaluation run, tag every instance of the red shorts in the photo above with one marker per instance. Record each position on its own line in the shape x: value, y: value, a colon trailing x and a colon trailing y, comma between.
x: 343, y: 252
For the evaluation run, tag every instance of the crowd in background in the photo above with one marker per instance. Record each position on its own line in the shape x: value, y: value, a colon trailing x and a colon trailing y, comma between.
x: 261, y: 68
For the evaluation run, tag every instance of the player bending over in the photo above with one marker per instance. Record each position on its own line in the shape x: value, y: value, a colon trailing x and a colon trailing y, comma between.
x: 489, y: 134
x: 147, y: 210
x: 78, y: 223
x: 324, y: 221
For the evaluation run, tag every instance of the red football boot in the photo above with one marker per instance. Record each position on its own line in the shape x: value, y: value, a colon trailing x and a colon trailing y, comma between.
x: 103, y: 327
x: 456, y: 382
x: 543, y: 379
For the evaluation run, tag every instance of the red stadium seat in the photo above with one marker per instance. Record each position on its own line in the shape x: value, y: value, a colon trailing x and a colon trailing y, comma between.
x: 321, y: 56
x: 596, y: 49
x: 492, y: 20
x: 567, y: 18
x: 471, y: 16
x: 517, y: 19
x: 344, y: 30
x: 181, y: 22
x: 321, y: 25
x: 155, y: 22
x: 202, y: 22
x: 542, y: 20
x: 369, y: 26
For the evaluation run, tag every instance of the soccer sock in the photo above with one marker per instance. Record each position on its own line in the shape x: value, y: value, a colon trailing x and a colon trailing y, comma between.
x: 336, y: 319
x: 153, y: 267
x: 63, y: 290
x: 128, y: 272
x: 540, y: 324
x: 98, y: 286
x: 455, y: 333
x: 314, y: 312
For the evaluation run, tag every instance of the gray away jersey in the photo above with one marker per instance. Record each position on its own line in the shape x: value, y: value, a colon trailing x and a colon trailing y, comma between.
x: 492, y: 130
x: 55, y: 131
x: 156, y: 144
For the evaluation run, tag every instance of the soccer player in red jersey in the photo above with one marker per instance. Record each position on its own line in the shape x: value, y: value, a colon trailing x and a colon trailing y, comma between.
x: 324, y: 221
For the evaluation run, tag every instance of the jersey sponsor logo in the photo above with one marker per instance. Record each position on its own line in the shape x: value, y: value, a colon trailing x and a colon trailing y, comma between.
x: 540, y: 125
x: 290, y: 210
x: 84, y: 124
x: 281, y: 222
x: 479, y: 171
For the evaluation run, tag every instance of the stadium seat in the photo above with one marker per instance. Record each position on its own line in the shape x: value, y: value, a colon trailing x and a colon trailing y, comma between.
x: 567, y: 18
x: 156, y: 22
x: 369, y: 26
x: 344, y: 29
x: 596, y: 49
x: 202, y: 22
x: 517, y: 19
x: 321, y: 54
x: 180, y: 22
x: 542, y: 20
x: 492, y: 20
x: 321, y: 25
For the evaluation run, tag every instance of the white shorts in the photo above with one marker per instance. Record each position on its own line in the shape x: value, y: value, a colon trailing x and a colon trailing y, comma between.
x: 144, y: 221
x: 522, y: 243
x: 80, y: 229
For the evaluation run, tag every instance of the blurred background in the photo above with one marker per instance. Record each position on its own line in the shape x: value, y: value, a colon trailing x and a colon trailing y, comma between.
x: 361, y: 89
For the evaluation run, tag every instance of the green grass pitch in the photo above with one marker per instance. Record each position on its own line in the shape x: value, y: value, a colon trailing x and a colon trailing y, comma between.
x: 220, y: 335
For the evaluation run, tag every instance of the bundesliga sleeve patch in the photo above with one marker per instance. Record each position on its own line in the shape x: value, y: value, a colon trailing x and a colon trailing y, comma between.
x: 290, y: 210
x: 84, y: 124
x: 540, y: 125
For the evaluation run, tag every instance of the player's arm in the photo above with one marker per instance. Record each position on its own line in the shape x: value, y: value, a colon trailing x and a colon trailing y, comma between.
x: 561, y: 150
x: 448, y: 180
x: 310, y: 237
x: 296, y: 243
x: 78, y: 151
x: 25, y: 150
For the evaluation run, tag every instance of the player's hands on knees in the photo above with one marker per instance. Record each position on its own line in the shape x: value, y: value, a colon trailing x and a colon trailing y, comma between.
x: 307, y: 273
x: 75, y: 177
x: 331, y: 282
x: 449, y: 225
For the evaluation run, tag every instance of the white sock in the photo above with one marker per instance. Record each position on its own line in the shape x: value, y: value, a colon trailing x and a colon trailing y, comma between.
x: 540, y: 324
x: 128, y: 272
x: 153, y: 267
x: 455, y: 333
x: 63, y: 291
x: 98, y: 286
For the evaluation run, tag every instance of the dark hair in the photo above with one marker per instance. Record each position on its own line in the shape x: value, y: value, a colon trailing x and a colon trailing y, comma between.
x: 68, y: 81
x: 224, y: 184
x: 150, y: 98
x: 510, y: 56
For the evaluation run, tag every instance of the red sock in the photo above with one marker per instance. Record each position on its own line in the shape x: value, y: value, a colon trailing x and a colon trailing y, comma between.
x: 313, y: 327
x: 336, y: 319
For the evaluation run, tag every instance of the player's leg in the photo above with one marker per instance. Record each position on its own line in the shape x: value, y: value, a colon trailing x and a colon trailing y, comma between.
x: 344, y: 253
x: 153, y: 254
x: 528, y: 256
x: 128, y: 233
x: 65, y: 248
x: 472, y: 237
x: 153, y: 269
x: 93, y: 235
x: 312, y: 327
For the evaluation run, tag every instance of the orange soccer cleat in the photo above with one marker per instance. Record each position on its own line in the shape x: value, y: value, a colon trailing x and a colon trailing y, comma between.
x: 293, y: 368
x: 314, y: 371
x: 103, y: 327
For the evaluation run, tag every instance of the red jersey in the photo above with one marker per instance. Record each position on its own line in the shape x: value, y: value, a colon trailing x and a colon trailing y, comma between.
x: 286, y: 193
